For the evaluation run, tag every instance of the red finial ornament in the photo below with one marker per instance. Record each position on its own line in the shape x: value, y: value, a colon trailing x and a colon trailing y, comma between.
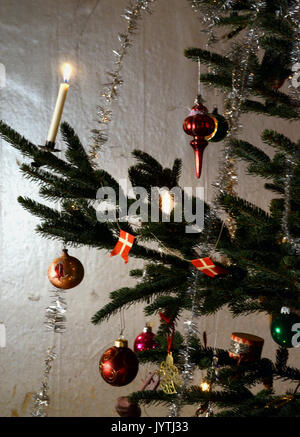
x: 199, y: 125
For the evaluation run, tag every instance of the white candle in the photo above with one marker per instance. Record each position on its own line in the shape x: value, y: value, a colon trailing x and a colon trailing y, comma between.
x: 61, y: 98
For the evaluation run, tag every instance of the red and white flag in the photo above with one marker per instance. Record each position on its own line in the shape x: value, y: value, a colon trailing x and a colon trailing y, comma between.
x: 59, y: 271
x: 206, y: 266
x: 123, y: 246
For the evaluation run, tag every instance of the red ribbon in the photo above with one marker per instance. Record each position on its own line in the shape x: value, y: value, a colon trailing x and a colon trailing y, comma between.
x: 169, y: 321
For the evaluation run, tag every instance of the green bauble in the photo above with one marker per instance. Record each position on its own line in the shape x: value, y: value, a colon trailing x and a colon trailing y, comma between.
x: 222, y: 127
x: 282, y: 330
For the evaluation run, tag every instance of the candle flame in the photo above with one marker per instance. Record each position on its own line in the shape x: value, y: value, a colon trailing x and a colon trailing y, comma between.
x: 166, y: 201
x: 67, y: 70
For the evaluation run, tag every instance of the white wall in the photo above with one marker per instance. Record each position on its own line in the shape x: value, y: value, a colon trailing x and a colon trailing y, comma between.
x: 159, y: 85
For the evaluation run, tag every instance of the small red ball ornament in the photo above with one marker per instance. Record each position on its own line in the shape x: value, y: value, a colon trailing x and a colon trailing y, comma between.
x: 66, y: 271
x: 199, y: 124
x: 145, y: 340
x: 119, y: 365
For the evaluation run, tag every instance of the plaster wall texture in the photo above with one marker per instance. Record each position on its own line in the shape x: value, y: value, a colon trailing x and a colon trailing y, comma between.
x: 159, y: 87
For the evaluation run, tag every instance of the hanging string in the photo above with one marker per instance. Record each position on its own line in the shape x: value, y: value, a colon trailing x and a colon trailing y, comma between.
x: 215, y: 98
x: 171, y: 329
x: 122, y: 321
x: 219, y: 236
x: 216, y: 331
x: 199, y: 77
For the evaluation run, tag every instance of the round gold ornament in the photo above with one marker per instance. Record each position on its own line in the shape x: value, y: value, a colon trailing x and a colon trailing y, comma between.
x: 66, y: 271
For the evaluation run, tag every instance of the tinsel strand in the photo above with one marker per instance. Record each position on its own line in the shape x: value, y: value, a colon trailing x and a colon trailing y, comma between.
x: 55, y: 322
x: 210, y: 16
x: 294, y: 15
x: 185, y: 355
x: 241, y: 83
x: 41, y: 399
x: 287, y: 237
x: 132, y: 14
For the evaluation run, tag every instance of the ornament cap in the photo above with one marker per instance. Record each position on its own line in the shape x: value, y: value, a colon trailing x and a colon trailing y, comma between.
x: 147, y: 328
x: 121, y: 342
x: 199, y: 100
x: 198, y: 109
x: 169, y: 359
x: 65, y: 252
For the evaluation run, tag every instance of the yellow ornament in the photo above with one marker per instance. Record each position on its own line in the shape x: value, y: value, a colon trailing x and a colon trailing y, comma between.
x: 169, y: 376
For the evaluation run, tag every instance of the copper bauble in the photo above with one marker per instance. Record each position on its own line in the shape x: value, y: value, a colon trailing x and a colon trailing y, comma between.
x: 119, y: 365
x: 66, y: 271
x: 199, y: 124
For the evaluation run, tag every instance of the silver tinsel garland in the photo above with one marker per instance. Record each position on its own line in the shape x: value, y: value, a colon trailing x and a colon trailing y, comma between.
x: 132, y: 14
x: 287, y: 237
x: 241, y: 84
x: 55, y: 322
x: 294, y: 15
x: 56, y: 313
x: 188, y: 366
x: 210, y: 15
x: 41, y: 399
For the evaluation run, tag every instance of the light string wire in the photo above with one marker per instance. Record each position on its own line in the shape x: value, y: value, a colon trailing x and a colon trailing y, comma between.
x: 199, y: 77
x: 122, y: 322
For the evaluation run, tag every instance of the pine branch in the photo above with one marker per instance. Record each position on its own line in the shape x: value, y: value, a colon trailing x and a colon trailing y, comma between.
x: 125, y: 297
x: 248, y: 152
x: 280, y: 142
x: 236, y: 206
x: 39, y: 210
x: 207, y: 57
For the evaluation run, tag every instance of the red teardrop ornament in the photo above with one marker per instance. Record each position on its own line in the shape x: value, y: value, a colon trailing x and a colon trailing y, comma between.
x: 199, y: 125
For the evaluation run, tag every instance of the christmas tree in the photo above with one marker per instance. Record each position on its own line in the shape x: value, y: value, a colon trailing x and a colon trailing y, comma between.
x: 247, y: 259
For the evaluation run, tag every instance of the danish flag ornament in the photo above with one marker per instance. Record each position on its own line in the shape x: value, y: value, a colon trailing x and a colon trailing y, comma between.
x: 123, y: 245
x: 206, y: 266
x: 59, y: 271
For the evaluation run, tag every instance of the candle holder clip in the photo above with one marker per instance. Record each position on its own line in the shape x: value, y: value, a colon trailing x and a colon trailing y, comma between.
x: 48, y: 147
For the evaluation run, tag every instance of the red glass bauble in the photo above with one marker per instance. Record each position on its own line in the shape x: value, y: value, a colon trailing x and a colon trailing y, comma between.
x: 66, y: 271
x: 145, y: 340
x: 199, y: 124
x: 119, y: 365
